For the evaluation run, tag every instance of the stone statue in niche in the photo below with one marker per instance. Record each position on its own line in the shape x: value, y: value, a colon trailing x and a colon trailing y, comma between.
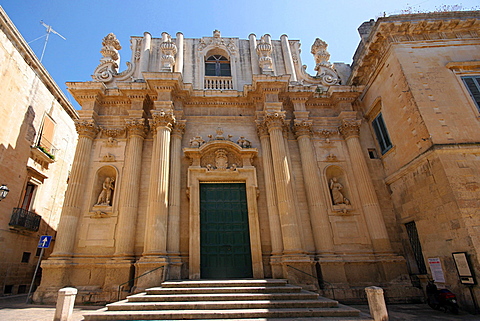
x: 244, y: 143
x: 221, y: 160
x: 337, y: 196
x: 105, y: 196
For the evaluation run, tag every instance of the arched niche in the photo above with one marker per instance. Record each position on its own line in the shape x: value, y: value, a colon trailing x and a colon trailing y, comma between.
x: 104, y: 187
x: 339, y: 189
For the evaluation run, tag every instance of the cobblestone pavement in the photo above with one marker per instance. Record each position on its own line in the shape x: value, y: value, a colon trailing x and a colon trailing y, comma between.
x: 14, y: 308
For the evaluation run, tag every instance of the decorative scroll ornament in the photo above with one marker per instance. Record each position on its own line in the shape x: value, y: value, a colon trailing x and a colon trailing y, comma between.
x: 108, y: 66
x: 302, y: 127
x: 136, y: 127
x: 244, y: 143
x: 162, y: 118
x: 113, y: 132
x: 196, y: 142
x: 350, y: 128
x: 219, y: 135
x: 87, y: 128
x: 264, y: 52
x: 168, y: 49
x: 325, y: 71
x: 217, y: 41
x: 327, y: 133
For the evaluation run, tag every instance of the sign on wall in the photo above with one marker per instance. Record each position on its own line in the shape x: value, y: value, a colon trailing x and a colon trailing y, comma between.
x: 463, y: 268
x: 436, y: 268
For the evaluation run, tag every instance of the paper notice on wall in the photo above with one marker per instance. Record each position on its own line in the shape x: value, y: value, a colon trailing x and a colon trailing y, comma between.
x: 436, y: 268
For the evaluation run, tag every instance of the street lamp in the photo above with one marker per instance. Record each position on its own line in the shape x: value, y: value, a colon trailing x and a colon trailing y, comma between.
x: 3, y: 191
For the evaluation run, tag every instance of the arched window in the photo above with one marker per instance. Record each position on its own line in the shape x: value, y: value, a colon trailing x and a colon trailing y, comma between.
x: 217, y: 65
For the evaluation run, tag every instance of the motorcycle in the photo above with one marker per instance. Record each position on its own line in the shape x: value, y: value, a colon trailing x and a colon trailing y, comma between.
x: 441, y: 299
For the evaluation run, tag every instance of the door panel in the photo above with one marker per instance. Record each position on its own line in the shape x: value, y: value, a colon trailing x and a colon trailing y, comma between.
x: 224, y: 232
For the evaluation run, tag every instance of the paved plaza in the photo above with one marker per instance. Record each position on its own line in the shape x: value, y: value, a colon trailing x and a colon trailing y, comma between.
x: 14, y: 309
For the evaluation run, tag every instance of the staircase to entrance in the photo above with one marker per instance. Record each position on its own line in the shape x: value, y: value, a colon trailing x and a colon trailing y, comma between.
x: 225, y: 299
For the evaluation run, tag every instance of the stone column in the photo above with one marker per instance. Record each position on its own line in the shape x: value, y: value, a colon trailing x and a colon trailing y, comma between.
x: 144, y: 54
x: 75, y: 195
x: 271, y: 195
x: 253, y: 54
x: 287, y: 57
x: 284, y: 184
x: 129, y: 192
x: 179, y: 59
x: 318, y: 212
x: 371, y: 208
x: 173, y: 241
x: 157, y: 212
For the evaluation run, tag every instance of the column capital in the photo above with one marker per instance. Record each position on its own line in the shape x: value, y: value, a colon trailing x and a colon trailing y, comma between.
x: 136, y: 127
x: 350, y: 128
x: 87, y: 128
x: 161, y: 118
x: 275, y: 120
x: 262, y: 129
x: 179, y: 128
x: 302, y: 127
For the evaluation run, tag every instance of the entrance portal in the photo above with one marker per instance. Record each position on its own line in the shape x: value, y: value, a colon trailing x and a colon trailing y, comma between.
x: 224, y: 232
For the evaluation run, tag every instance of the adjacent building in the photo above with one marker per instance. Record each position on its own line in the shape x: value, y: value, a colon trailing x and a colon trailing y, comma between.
x: 37, y: 144
x: 221, y: 157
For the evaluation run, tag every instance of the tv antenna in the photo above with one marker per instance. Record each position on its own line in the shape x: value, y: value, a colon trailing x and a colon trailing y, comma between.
x: 49, y: 31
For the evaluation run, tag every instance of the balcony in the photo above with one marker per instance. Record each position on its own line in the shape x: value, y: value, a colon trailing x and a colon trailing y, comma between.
x: 218, y: 83
x: 24, y: 220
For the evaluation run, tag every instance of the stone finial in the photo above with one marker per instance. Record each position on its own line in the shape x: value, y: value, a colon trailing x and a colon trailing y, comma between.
x: 216, y: 33
x: 168, y: 49
x: 264, y: 52
x: 110, y: 61
x: 324, y: 69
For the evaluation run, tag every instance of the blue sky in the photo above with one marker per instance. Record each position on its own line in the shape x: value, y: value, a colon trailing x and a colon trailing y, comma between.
x: 84, y: 23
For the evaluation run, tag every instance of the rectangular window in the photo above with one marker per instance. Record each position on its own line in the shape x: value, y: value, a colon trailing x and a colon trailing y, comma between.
x: 382, y: 134
x: 416, y: 247
x: 473, y: 85
x: 26, y: 257
x: 46, y: 138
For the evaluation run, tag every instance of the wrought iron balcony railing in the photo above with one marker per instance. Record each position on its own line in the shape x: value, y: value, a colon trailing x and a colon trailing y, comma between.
x: 23, y: 219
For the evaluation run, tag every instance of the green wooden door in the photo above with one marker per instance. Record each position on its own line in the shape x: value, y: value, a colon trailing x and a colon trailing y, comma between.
x: 224, y: 233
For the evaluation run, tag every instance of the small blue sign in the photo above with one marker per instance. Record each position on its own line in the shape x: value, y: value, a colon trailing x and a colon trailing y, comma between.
x: 44, y: 241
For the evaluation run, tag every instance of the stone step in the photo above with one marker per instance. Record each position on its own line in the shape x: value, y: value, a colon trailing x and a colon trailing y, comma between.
x: 233, y: 289
x: 143, y: 297
x: 223, y: 283
x: 223, y: 305
x: 340, y: 311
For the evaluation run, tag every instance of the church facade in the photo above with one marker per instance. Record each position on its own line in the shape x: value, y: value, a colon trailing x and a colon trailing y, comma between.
x: 223, y: 158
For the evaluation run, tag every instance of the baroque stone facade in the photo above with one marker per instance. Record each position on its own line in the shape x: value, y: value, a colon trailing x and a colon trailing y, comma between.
x: 37, y: 144
x: 333, y: 165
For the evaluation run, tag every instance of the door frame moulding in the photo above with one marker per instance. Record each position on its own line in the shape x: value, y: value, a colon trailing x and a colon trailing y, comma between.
x: 244, y: 173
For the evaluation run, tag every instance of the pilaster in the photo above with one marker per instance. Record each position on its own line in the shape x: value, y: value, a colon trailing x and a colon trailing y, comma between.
x: 350, y: 129
x: 271, y: 195
x: 66, y: 236
x: 323, y: 236
x: 173, y: 241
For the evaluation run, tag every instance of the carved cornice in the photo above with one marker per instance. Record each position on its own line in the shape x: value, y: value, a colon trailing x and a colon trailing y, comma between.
x: 350, y: 128
x: 302, y: 127
x: 87, y: 128
x: 136, y: 127
x: 161, y: 118
x: 407, y: 28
